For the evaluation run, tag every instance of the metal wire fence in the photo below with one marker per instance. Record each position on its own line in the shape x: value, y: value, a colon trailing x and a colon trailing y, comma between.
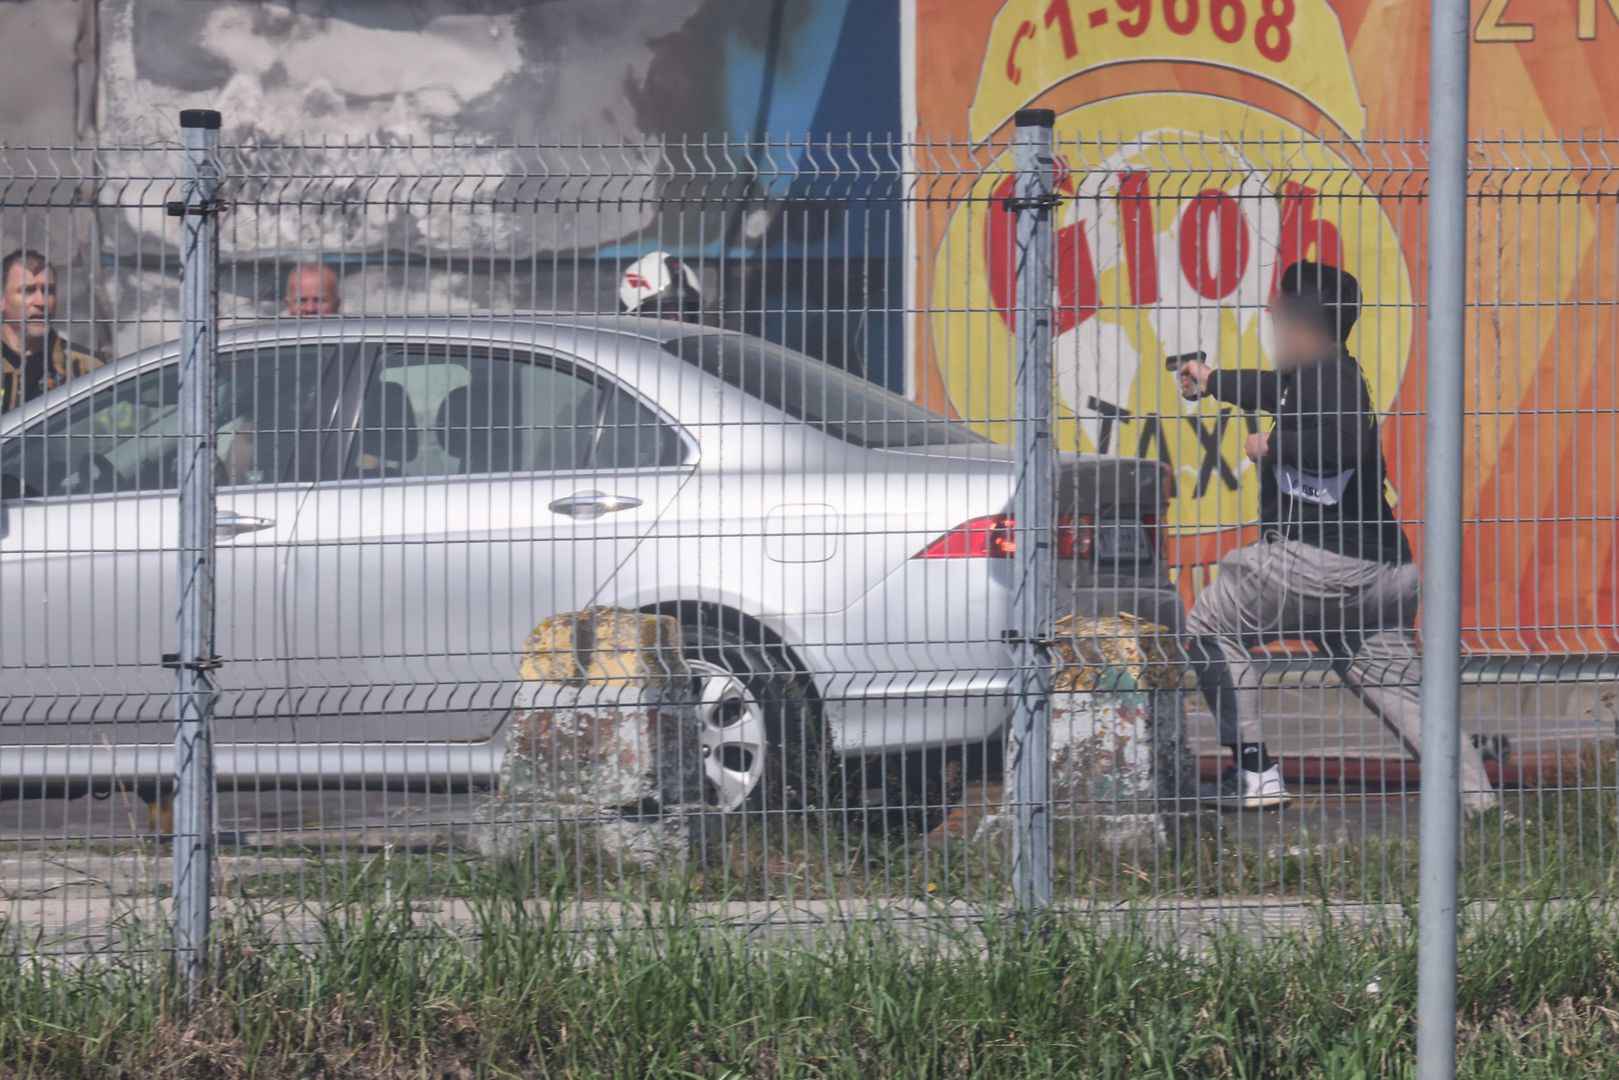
x: 781, y: 494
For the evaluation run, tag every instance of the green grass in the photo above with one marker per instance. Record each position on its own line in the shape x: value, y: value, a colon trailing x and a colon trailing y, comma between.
x: 1564, y: 841
x: 514, y: 990
x: 383, y: 993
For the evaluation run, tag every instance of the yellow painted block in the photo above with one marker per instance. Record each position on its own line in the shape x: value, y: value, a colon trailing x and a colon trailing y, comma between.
x: 551, y: 654
x: 1085, y: 646
x: 629, y: 647
x: 160, y: 814
x: 603, y: 647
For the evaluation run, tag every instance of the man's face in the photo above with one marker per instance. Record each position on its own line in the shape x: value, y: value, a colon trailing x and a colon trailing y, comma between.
x: 29, y: 300
x: 312, y: 291
x: 1299, y: 340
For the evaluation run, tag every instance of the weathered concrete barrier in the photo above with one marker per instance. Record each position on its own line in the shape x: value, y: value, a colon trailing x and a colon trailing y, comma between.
x: 1122, y: 768
x: 604, y: 749
x: 1120, y: 756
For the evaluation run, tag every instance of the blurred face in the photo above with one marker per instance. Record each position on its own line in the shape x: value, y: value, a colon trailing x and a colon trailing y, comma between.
x: 1299, y: 340
x: 312, y: 290
x: 29, y: 300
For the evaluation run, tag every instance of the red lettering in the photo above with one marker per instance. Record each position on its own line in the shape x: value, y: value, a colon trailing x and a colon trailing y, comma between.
x: 1304, y: 236
x: 1229, y: 243
x: 1025, y: 31
x: 1215, y: 246
x: 1078, y: 292
x: 1273, y: 30
x: 1142, y: 10
x: 1227, y: 18
x: 1184, y: 21
x: 1140, y: 231
x: 1057, y: 12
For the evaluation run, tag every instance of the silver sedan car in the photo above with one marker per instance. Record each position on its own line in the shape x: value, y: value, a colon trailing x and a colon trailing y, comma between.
x: 402, y: 501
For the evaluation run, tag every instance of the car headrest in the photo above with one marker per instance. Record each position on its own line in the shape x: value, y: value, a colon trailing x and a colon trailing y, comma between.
x: 475, y: 426
x: 388, y: 423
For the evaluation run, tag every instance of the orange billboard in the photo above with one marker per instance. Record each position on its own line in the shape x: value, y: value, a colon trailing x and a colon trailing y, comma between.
x: 1203, y: 145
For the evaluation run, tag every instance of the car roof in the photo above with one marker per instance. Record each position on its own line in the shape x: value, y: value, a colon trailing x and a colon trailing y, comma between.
x: 515, y: 327
x: 519, y: 327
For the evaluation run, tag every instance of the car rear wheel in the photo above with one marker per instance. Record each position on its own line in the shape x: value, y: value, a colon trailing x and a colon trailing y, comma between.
x: 761, y: 732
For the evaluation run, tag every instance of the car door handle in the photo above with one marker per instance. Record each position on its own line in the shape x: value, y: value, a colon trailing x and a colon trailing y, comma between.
x: 228, y: 523
x: 593, y: 504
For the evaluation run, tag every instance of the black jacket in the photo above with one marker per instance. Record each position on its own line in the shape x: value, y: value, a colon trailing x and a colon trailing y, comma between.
x: 1322, y: 481
x: 54, y: 363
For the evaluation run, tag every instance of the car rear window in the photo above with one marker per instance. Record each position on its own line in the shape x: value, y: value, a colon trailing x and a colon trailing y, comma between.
x: 823, y: 397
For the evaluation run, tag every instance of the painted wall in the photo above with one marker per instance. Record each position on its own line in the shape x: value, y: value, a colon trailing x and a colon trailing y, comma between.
x: 346, y: 73
x: 1203, y: 147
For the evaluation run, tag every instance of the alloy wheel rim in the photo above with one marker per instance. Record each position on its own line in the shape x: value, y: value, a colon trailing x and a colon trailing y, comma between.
x: 733, y: 733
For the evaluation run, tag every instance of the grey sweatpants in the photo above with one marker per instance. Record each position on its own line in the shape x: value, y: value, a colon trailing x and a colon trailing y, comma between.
x: 1363, y: 612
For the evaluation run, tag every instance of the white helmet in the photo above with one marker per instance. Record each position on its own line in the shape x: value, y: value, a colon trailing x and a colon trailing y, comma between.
x: 660, y: 284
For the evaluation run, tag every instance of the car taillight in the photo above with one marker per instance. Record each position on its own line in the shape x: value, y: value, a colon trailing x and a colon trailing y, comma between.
x: 1076, y: 537
x: 981, y: 538
x: 994, y: 537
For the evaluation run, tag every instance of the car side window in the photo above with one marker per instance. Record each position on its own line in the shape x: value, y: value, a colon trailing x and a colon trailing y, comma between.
x: 632, y: 437
x: 125, y: 438
x: 461, y: 410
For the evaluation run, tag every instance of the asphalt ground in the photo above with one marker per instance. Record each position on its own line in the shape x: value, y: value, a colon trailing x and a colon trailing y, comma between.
x: 70, y: 867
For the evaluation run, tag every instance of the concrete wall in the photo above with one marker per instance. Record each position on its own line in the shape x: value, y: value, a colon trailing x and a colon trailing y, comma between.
x: 366, y: 74
x: 434, y: 229
x: 47, y: 100
x: 363, y: 69
x: 43, y: 96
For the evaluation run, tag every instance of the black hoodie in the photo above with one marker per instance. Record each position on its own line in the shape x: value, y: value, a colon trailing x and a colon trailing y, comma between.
x: 1322, y: 481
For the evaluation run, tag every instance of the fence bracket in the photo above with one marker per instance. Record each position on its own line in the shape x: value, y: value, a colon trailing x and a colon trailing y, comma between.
x: 1013, y: 203
x: 180, y: 209
x: 1038, y: 641
x: 172, y: 661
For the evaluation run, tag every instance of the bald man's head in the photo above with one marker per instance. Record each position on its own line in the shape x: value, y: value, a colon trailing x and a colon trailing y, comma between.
x: 312, y: 290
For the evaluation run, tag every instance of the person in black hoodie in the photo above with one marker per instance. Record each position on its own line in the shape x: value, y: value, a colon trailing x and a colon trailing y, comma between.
x: 1332, y: 564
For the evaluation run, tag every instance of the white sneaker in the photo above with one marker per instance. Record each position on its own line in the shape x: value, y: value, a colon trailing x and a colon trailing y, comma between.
x: 1476, y: 804
x: 1243, y: 790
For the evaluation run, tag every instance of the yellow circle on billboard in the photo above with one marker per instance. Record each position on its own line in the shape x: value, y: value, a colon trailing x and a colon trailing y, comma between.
x: 1169, y: 241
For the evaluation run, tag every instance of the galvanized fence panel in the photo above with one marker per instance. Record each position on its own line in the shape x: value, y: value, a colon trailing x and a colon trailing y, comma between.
x: 438, y: 439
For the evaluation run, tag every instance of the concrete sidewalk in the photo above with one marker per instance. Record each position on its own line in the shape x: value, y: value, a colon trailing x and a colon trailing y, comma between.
x: 78, y: 896
x: 1307, y: 712
x: 74, y: 873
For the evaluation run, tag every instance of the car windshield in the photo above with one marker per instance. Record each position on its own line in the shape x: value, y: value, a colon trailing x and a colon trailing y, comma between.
x: 823, y: 397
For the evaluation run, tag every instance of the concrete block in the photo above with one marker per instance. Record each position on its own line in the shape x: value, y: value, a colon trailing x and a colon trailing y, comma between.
x: 603, y: 747
x: 548, y: 655
x: 1119, y: 751
x: 604, y: 647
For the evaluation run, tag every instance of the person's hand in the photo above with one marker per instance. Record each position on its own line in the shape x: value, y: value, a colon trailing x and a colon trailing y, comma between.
x: 1194, y: 376
x: 235, y: 443
x: 1258, y: 446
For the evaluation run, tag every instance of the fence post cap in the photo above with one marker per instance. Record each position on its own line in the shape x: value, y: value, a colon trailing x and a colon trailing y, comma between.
x: 200, y: 118
x: 1035, y: 118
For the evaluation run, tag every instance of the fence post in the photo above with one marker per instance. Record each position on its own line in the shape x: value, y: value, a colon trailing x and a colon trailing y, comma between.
x: 195, y: 661
x: 1034, y: 512
x: 1442, y: 560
